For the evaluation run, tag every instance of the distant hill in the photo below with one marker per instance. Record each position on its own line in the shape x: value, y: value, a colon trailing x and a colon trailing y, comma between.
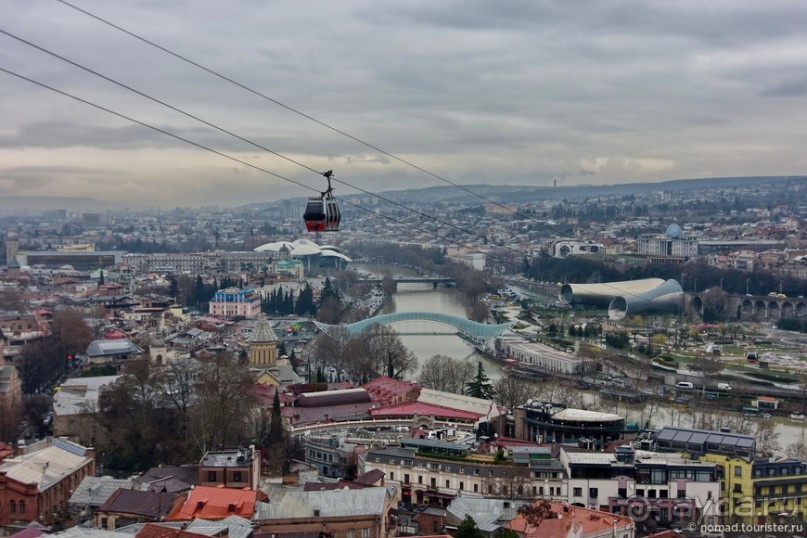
x: 524, y: 193
x: 12, y: 205
x: 505, y: 194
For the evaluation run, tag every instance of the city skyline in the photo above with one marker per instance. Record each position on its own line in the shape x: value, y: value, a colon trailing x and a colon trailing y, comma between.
x: 522, y: 94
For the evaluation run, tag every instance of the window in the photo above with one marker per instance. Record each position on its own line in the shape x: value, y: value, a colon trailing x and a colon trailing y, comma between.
x: 476, y: 488
x: 365, y: 533
x: 448, y: 483
x: 406, y: 478
x: 593, y: 492
x: 236, y: 476
x: 22, y: 507
x: 434, y: 482
x: 349, y: 533
x: 462, y: 470
x: 212, y: 476
x: 12, y: 507
x: 663, y: 494
x: 420, y: 479
x: 476, y: 471
x: 577, y: 492
x: 391, y: 475
x: 738, y: 471
x: 462, y: 486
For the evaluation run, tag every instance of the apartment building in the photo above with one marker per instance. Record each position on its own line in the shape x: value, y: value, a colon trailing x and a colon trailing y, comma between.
x: 434, y: 472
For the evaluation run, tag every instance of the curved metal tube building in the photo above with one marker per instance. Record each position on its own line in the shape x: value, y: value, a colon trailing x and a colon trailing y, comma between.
x: 626, y: 297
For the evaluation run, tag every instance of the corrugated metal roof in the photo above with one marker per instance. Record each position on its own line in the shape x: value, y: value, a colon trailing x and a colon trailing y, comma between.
x: 118, y: 346
x: 44, y: 467
x: 459, y: 401
x: 94, y: 491
x: 489, y: 514
x: 330, y: 503
x: 150, y: 504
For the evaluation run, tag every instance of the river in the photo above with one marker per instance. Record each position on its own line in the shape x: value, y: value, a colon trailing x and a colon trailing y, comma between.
x: 424, y: 298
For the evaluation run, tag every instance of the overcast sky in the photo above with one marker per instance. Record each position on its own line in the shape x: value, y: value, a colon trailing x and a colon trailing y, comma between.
x: 494, y: 92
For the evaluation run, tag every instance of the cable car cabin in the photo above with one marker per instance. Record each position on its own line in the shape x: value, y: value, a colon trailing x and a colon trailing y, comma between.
x: 322, y: 214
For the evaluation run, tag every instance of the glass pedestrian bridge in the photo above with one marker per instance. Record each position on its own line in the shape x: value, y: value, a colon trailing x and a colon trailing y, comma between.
x: 477, y: 332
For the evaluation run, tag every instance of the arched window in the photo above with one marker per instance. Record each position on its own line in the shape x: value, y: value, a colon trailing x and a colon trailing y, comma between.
x: 22, y: 507
x: 12, y: 507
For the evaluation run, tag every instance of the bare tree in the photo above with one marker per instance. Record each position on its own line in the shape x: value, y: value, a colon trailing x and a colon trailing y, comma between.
x: 381, y: 351
x: 480, y: 311
x: 70, y: 331
x: 512, y: 390
x: 11, y: 299
x: 767, y: 437
x: 334, y: 349
x: 798, y: 450
x: 444, y: 373
x: 225, y: 403
x: 10, y: 419
x: 177, y: 383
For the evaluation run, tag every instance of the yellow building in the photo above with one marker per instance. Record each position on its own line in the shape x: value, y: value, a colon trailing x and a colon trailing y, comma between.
x: 763, y: 490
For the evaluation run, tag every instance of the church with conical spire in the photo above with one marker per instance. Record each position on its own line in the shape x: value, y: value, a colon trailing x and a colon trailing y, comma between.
x: 262, y: 344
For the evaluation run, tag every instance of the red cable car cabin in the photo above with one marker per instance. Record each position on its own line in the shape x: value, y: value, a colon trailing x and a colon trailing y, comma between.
x: 322, y: 213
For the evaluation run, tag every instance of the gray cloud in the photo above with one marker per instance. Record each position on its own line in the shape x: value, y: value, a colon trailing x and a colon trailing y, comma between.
x: 519, y: 92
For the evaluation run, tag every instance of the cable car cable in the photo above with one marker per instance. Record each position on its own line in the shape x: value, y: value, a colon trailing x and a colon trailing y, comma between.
x: 328, y: 175
x: 303, y: 114
x: 260, y: 169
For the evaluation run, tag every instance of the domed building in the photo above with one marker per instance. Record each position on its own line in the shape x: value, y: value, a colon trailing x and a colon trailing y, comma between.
x: 673, y: 244
x: 674, y: 231
x: 310, y: 253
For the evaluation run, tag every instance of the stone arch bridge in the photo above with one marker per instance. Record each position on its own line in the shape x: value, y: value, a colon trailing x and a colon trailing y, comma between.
x: 753, y: 307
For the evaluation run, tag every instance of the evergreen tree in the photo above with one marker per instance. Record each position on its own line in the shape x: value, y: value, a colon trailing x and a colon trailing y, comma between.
x: 199, y: 291
x: 480, y: 387
x: 101, y: 281
x: 468, y: 529
x: 173, y: 286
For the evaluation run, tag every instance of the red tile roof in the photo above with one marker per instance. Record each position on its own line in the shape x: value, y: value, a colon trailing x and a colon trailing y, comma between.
x: 388, y: 390
x: 216, y: 503
x: 418, y: 408
x: 583, y: 521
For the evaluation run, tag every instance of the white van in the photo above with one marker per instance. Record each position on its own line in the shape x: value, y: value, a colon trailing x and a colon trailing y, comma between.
x: 723, y: 386
x: 684, y: 385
